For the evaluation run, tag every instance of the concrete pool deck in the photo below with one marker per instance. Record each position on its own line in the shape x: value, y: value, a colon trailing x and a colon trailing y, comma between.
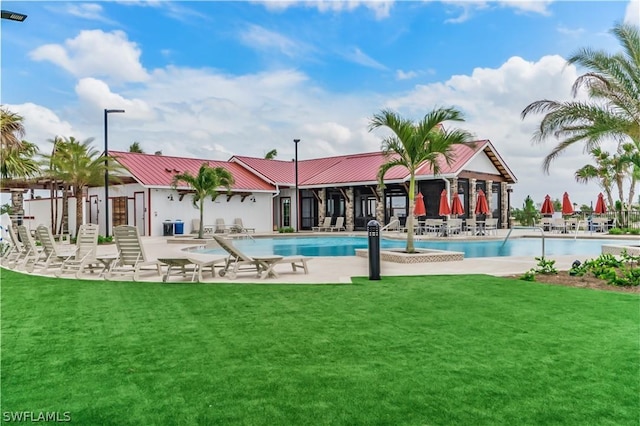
x: 339, y: 270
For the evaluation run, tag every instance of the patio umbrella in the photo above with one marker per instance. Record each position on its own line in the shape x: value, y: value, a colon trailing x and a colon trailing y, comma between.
x: 481, y: 204
x: 600, y: 206
x: 444, y: 204
x: 547, y: 206
x: 419, y: 209
x: 456, y: 205
x: 567, y: 207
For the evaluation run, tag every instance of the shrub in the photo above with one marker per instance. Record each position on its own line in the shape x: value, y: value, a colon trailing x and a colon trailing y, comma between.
x: 104, y: 240
x: 285, y: 230
x: 546, y: 266
x: 616, y: 231
x: 530, y: 275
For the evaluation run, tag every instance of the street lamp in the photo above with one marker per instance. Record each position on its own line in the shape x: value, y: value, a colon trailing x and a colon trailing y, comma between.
x: 296, y: 141
x: 13, y: 16
x: 106, y: 168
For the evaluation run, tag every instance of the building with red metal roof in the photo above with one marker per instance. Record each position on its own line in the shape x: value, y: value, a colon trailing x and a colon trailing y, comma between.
x: 266, y: 196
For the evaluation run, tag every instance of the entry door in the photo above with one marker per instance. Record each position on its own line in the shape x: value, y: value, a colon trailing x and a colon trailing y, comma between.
x: 119, y: 211
x: 285, y: 212
x: 139, y: 212
x: 93, y: 209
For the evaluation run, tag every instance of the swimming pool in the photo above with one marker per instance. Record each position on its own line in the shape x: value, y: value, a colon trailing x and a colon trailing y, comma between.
x: 345, y: 246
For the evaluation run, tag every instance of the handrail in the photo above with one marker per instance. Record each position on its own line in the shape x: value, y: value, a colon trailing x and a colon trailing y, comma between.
x: 526, y: 227
x: 393, y: 222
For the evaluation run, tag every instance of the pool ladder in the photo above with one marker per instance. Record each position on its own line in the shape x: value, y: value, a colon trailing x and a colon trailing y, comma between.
x: 539, y: 228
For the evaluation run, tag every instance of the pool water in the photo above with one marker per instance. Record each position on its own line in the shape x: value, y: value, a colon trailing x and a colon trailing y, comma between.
x: 345, y: 246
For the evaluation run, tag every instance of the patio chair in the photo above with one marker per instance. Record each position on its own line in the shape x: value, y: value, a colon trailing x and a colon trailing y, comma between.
x: 240, y: 262
x: 558, y: 224
x: 192, y: 264
x: 54, y: 255
x: 339, y: 226
x: 221, y: 227
x: 239, y: 227
x: 326, y: 225
x: 491, y: 226
x: 13, y: 254
x: 85, y: 253
x: 453, y: 226
x: 546, y: 223
x: 131, y: 256
x: 470, y: 226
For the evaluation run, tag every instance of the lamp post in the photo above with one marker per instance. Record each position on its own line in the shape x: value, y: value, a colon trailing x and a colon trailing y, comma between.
x: 13, y: 16
x: 106, y: 168
x: 296, y: 141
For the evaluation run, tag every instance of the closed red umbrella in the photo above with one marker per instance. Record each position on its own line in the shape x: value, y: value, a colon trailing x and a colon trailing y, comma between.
x: 481, y: 203
x: 456, y: 205
x: 419, y: 209
x: 600, y: 206
x: 547, y: 206
x: 444, y: 204
x: 567, y: 207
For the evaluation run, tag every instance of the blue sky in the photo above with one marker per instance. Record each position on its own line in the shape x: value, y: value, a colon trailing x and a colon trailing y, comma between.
x: 211, y: 79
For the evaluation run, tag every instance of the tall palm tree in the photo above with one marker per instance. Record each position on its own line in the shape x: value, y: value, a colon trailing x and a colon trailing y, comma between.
x: 613, y: 109
x: 79, y: 165
x: 600, y: 171
x: 207, y: 183
x: 413, y: 144
x: 18, y: 161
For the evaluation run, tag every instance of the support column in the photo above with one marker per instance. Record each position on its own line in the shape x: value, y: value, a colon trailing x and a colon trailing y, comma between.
x: 489, y: 186
x: 348, y: 205
x: 473, y: 193
x: 322, y: 210
x: 504, y: 206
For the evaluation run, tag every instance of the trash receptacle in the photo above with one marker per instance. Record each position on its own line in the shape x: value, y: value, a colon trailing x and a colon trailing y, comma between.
x: 167, y: 228
x: 373, y: 231
x: 179, y: 227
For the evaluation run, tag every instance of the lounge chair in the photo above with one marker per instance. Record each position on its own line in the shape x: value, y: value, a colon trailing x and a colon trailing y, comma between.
x: 13, y: 254
x: 326, y: 225
x: 32, y: 253
x: 339, y: 226
x: 239, y: 227
x: 54, y: 255
x: 85, y: 253
x: 131, y: 256
x: 221, y: 227
x: 261, y: 265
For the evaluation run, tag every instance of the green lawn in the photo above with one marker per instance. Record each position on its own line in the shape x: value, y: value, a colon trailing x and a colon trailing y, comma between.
x: 435, y: 350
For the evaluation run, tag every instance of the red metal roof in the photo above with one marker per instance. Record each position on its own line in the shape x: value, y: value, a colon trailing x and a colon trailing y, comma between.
x: 158, y: 170
x: 357, y: 168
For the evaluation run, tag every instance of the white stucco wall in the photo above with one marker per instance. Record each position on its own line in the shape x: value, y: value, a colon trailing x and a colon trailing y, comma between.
x: 481, y: 163
x: 40, y: 209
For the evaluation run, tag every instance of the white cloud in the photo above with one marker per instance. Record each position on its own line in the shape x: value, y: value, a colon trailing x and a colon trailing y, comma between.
x: 520, y: 6
x: 380, y: 8
x: 405, y: 75
x: 96, y: 95
x: 577, y: 32
x: 90, y: 11
x: 359, y: 57
x: 632, y: 14
x: 42, y: 124
x: 96, y: 53
x: 260, y: 38
x: 535, y: 6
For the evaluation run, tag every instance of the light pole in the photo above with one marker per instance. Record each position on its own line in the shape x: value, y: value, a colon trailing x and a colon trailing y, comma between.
x: 13, y: 16
x: 106, y: 168
x: 296, y: 141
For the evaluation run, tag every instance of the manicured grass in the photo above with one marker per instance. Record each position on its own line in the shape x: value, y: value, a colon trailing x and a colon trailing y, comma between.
x: 436, y: 350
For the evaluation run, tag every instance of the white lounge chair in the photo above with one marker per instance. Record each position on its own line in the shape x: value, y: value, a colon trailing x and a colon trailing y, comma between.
x: 339, y: 226
x: 16, y: 250
x: 85, y: 253
x: 221, y: 227
x: 54, y: 254
x: 262, y: 266
x: 326, y: 225
x: 239, y: 227
x: 32, y: 253
x: 192, y: 264
x: 131, y: 256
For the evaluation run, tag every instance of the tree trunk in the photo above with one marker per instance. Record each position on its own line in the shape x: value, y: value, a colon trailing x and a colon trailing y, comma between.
x: 79, y: 209
x: 409, y: 224
x: 201, y: 227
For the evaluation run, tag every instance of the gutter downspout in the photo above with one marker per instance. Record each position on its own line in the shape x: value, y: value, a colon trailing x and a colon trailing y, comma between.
x: 273, y: 207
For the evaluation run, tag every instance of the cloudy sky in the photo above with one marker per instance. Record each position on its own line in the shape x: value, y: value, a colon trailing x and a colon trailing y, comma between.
x: 211, y: 79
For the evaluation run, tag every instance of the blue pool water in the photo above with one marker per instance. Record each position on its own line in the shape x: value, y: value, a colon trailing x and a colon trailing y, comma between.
x: 345, y: 246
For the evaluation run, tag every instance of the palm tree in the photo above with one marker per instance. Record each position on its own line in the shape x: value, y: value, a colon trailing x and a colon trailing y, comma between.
x: 78, y: 165
x: 11, y: 129
x: 613, y: 110
x: 271, y: 154
x: 18, y: 161
x: 135, y: 147
x: 413, y: 144
x: 206, y: 183
x: 600, y: 172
